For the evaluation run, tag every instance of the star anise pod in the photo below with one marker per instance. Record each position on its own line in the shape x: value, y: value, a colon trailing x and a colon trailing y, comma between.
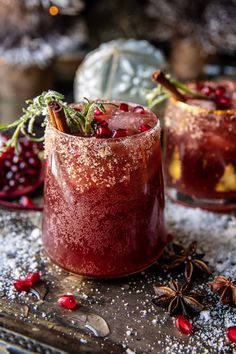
x: 189, y: 258
x: 177, y: 299
x: 226, y: 288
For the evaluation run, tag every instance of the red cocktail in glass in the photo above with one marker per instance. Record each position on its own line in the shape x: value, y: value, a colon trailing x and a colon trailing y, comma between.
x: 103, y: 207
x: 200, y: 148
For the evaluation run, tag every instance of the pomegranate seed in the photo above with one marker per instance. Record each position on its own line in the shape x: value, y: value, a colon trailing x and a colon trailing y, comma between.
x: 119, y: 133
x: 144, y: 127
x: 98, y: 112
x: 26, y: 202
x: 67, y: 301
x: 124, y: 107
x: 183, y: 325
x: 102, y: 130
x: 223, y: 102
x: 21, y: 285
x: 231, y: 334
x: 98, y: 119
x: 139, y: 109
x: 220, y: 91
x: 33, y: 278
x: 205, y: 90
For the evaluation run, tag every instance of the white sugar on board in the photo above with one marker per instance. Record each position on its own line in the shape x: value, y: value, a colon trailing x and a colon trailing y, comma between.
x: 215, y: 233
x: 19, y: 248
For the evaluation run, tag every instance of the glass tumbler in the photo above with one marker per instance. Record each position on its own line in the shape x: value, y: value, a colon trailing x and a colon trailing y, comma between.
x: 200, y: 156
x: 104, y: 202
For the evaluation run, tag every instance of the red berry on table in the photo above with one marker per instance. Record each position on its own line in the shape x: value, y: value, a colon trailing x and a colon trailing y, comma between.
x: 144, y: 127
x: 183, y: 325
x: 124, y: 107
x: 231, y: 334
x: 119, y: 133
x: 33, y: 278
x: 67, y: 301
x: 21, y: 285
x: 139, y: 109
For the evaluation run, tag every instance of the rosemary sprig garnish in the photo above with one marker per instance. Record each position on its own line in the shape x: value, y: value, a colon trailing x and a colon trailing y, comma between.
x: 77, y: 121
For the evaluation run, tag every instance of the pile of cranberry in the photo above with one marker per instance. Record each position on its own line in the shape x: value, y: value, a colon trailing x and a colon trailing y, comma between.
x: 102, y: 129
x: 217, y: 94
x: 21, y: 170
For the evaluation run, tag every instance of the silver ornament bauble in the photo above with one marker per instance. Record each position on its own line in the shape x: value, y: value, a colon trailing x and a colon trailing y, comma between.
x: 118, y: 70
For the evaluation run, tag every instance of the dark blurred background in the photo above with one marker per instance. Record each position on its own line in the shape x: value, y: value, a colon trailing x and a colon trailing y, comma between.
x: 42, y: 42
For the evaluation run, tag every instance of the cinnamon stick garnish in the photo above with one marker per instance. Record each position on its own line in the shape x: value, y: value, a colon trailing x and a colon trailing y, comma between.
x: 51, y: 114
x: 57, y: 116
x: 159, y: 77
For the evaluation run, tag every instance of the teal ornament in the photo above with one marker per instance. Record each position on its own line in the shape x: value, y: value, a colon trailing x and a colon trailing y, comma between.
x: 118, y: 70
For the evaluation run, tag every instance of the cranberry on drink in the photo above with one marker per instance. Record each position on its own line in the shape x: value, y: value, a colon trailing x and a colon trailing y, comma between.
x: 219, y: 91
x: 98, y: 116
x: 119, y: 133
x: 205, y: 89
x: 139, y: 109
x: 223, y: 102
x: 98, y: 112
x: 124, y: 107
x: 144, y: 127
x: 102, y: 130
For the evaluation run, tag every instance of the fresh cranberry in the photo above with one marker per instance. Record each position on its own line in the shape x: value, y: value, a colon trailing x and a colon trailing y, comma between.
x: 219, y: 91
x: 205, y: 89
x: 21, y: 285
x: 183, y: 325
x: 33, y: 278
x: 124, y: 107
x: 119, y: 133
x: 20, y: 171
x: 67, y: 301
x: 144, y: 127
x: 223, y: 102
x: 102, y: 130
x: 26, y: 202
x: 231, y: 334
x: 139, y: 109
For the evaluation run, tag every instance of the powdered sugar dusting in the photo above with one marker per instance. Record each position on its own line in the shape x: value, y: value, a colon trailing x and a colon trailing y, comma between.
x: 215, y: 233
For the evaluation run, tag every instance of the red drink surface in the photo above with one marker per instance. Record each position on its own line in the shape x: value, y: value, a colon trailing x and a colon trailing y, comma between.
x: 200, y: 154
x: 103, y: 208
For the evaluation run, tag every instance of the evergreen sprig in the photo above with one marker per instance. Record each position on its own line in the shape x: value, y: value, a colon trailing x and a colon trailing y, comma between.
x: 159, y: 94
x: 78, y: 121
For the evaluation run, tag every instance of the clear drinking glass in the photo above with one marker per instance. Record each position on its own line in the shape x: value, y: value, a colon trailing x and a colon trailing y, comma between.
x: 200, y: 156
x: 104, y: 202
